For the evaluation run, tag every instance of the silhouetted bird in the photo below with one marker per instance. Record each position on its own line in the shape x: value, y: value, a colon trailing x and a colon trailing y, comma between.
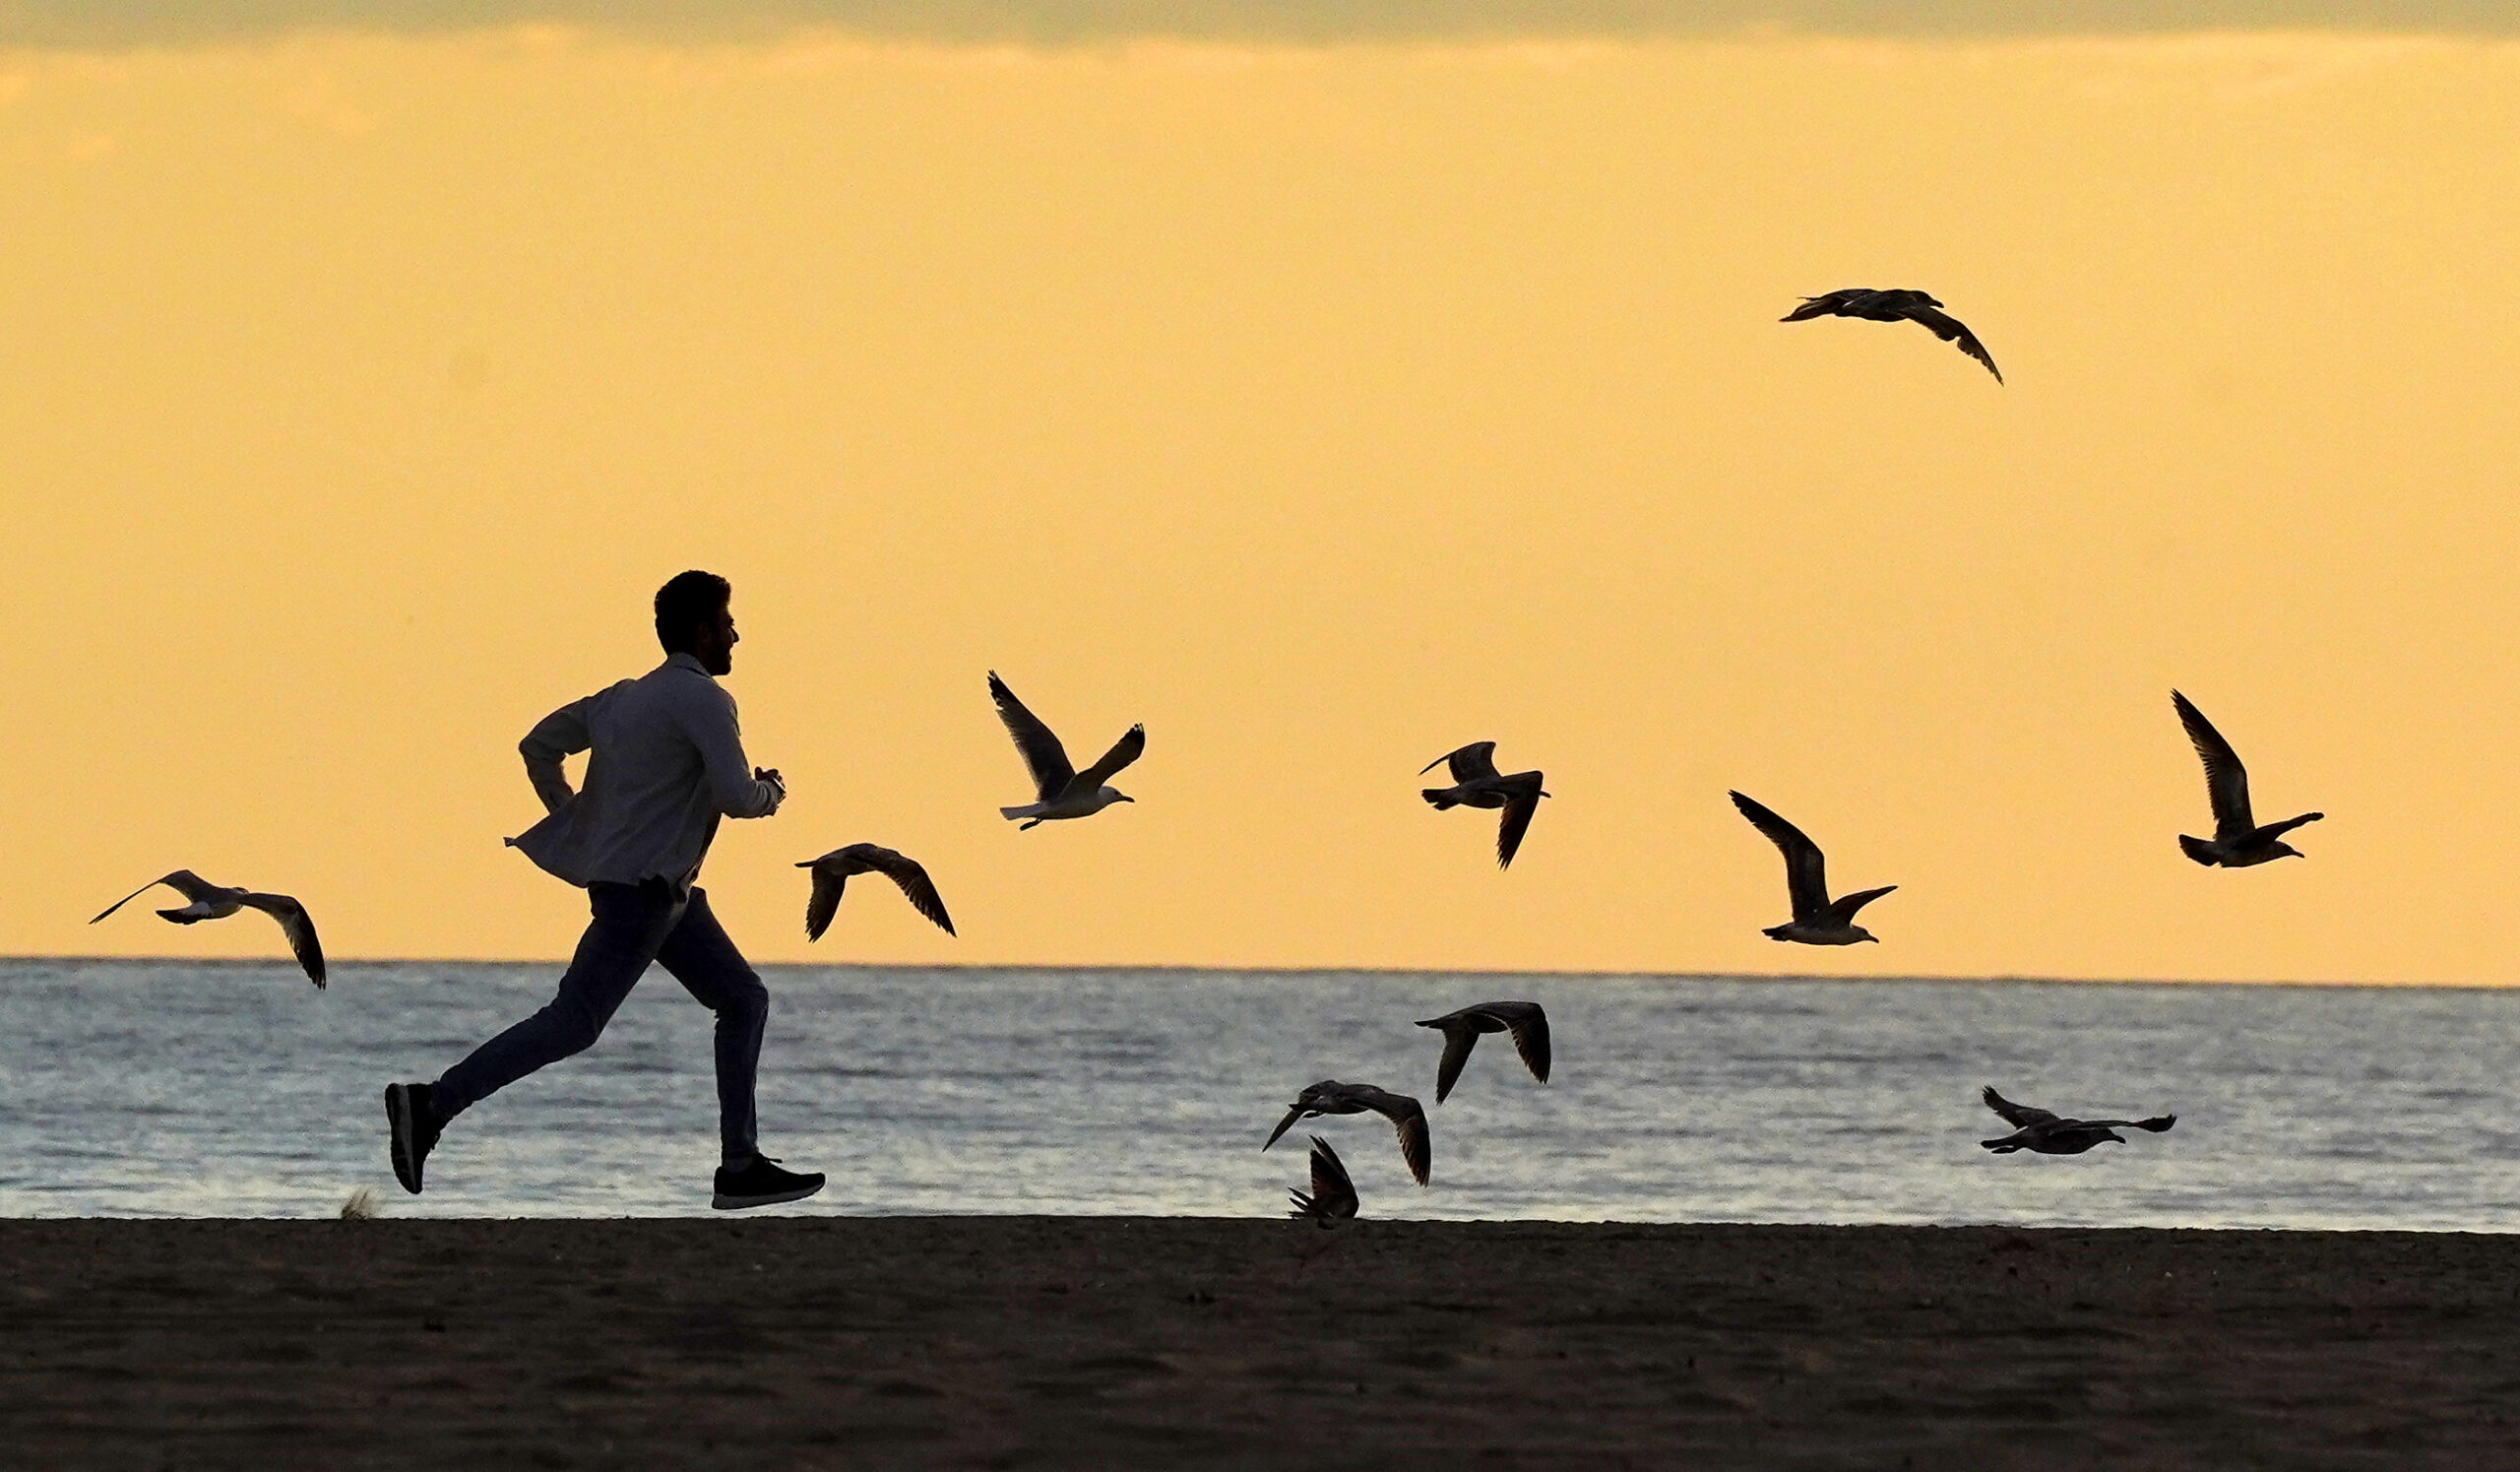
x: 1333, y: 1195
x: 219, y: 900
x: 1476, y: 783
x: 831, y: 877
x: 2237, y: 840
x: 1066, y: 793
x: 1817, y: 921
x: 1895, y: 305
x: 1331, y: 1097
x: 2043, y: 1133
x: 1461, y: 1030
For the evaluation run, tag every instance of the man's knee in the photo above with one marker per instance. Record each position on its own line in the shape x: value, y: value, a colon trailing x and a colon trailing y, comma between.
x: 570, y: 1029
x: 744, y: 997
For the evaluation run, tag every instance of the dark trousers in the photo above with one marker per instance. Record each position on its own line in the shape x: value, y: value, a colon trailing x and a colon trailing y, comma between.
x: 634, y: 924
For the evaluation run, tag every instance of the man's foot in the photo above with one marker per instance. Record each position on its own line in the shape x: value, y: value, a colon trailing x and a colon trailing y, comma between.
x: 414, y: 1126
x: 762, y: 1183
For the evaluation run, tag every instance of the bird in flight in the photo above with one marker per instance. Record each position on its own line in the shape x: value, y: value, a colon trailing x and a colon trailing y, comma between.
x: 831, y: 876
x: 219, y: 900
x: 1895, y: 305
x: 2237, y: 840
x: 1066, y: 793
x: 2042, y: 1132
x: 1331, y: 1097
x: 1476, y: 783
x: 1461, y: 1030
x: 1332, y: 1198
x: 1817, y: 921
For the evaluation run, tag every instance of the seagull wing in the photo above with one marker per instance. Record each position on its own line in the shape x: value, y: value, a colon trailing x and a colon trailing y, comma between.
x: 830, y: 883
x: 1518, y: 816
x: 1126, y: 749
x: 2225, y: 780
x: 298, y: 926
x: 2157, y: 1123
x: 1948, y: 328
x: 1042, y: 753
x: 1806, y: 880
x: 1468, y: 764
x: 911, y: 876
x: 1295, y: 1112
x: 1825, y: 305
x: 1458, y: 1042
x: 1530, y: 1032
x: 2018, y: 1115
x: 1843, y: 911
x: 191, y: 886
x: 1333, y: 1193
x: 1416, y: 1145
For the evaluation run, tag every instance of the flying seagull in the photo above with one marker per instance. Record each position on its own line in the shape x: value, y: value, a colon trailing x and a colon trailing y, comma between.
x: 1066, y: 793
x: 219, y: 900
x: 1817, y: 921
x: 1334, y: 1197
x: 1461, y: 1030
x: 831, y: 876
x: 1897, y: 305
x: 2237, y: 840
x: 1331, y: 1097
x: 1476, y: 783
x: 2040, y: 1131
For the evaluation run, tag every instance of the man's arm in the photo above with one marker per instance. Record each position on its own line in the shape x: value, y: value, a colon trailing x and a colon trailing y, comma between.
x: 741, y: 791
x: 553, y: 740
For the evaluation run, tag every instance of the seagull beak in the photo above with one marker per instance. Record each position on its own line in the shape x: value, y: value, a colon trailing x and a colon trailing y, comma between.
x: 1293, y: 1114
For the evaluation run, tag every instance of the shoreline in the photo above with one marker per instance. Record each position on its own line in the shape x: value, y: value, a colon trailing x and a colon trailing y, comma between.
x: 1173, y: 968
x: 1233, y: 1343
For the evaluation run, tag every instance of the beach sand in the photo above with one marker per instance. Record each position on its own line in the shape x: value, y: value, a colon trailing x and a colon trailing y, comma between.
x: 1102, y: 1342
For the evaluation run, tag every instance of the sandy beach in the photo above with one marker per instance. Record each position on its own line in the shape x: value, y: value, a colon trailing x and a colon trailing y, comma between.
x: 1078, y: 1342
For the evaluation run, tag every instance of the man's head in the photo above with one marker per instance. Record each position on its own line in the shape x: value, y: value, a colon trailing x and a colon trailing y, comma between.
x: 692, y: 617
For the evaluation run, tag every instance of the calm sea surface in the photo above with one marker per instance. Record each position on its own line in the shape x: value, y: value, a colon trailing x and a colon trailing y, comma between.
x: 178, y: 1089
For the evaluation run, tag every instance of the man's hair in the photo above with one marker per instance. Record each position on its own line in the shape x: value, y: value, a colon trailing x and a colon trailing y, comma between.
x: 684, y: 604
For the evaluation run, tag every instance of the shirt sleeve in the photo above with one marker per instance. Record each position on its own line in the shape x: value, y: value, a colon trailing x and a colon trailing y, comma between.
x: 553, y: 740
x: 709, y: 719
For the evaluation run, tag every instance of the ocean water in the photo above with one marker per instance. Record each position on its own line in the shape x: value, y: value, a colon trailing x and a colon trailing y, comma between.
x: 181, y: 1089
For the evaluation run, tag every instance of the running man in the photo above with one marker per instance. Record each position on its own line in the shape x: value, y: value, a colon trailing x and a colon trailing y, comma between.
x: 668, y: 764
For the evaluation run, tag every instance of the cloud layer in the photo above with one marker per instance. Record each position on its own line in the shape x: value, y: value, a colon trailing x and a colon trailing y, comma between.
x: 148, y: 22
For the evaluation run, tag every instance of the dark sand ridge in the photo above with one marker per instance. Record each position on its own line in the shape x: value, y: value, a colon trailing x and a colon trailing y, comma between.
x: 1100, y: 1342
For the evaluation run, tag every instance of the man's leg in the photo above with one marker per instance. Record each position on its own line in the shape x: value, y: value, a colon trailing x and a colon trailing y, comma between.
x: 700, y: 956
x: 630, y: 923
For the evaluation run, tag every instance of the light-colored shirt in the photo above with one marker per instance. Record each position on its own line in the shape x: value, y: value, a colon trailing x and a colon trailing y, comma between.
x: 667, y: 763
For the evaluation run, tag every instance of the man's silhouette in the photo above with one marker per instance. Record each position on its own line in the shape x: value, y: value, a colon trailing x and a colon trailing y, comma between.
x: 667, y: 763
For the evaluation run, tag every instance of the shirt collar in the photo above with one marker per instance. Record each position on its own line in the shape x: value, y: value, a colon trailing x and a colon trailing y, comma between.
x: 683, y: 660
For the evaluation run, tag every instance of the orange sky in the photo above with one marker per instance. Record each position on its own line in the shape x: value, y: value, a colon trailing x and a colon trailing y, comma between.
x: 1323, y: 408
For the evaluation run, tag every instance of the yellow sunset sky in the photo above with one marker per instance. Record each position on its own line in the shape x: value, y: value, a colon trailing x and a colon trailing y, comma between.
x: 1323, y: 403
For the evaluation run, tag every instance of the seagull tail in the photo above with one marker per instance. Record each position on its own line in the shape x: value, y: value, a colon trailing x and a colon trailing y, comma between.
x: 2198, y: 849
x: 1012, y: 813
x: 1438, y: 797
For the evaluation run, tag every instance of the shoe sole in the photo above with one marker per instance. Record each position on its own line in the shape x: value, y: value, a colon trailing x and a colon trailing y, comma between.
x: 722, y: 1202
x: 398, y: 1120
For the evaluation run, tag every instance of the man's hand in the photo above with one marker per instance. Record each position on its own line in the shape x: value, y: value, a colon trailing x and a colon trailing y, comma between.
x: 771, y: 776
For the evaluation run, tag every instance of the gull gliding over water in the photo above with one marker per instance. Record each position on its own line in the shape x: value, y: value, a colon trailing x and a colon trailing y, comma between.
x: 831, y: 877
x: 1899, y: 304
x: 1461, y: 1030
x: 1817, y: 921
x: 1066, y: 793
x: 2237, y: 841
x: 219, y: 900
x: 1476, y: 783
x: 1334, y: 1197
x: 2042, y: 1132
x: 1331, y: 1097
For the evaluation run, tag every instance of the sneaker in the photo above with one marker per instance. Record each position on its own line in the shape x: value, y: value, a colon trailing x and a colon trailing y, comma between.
x: 762, y: 1183
x: 414, y: 1128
